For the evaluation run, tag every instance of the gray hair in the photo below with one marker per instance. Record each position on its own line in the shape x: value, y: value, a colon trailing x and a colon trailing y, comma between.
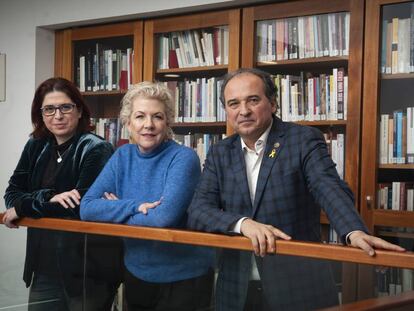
x: 150, y: 90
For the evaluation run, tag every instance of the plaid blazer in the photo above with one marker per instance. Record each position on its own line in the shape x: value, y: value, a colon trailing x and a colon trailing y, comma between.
x: 297, y: 178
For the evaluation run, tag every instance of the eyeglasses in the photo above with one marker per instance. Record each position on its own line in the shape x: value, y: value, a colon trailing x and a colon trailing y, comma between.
x: 50, y: 110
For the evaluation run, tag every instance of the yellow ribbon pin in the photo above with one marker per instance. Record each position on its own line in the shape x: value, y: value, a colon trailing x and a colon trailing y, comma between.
x: 272, y: 154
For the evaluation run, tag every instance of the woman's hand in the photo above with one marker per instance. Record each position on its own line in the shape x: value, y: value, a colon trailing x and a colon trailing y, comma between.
x: 68, y: 199
x: 9, y: 217
x: 110, y: 196
x: 144, y: 207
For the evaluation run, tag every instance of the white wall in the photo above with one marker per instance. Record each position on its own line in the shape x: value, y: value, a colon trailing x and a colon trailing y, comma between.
x: 27, y: 40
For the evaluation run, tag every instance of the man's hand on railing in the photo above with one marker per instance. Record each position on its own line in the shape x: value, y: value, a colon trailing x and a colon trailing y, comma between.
x: 369, y: 243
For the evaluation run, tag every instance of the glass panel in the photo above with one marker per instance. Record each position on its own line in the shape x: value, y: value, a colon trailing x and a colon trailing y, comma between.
x: 395, y: 189
x: 103, y: 64
x: 184, y: 276
x: 193, y: 48
x: 302, y: 37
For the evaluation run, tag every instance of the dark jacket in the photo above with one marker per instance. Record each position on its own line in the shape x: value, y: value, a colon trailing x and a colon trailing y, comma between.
x: 85, y: 158
x: 297, y: 178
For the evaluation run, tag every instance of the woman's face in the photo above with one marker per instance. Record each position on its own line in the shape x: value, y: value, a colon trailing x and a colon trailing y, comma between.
x: 148, y: 123
x: 61, y: 124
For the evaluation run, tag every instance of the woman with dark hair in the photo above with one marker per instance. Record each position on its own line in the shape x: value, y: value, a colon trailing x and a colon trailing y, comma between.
x: 65, y: 271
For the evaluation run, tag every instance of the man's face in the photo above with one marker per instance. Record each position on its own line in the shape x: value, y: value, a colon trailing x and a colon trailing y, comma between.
x: 249, y: 111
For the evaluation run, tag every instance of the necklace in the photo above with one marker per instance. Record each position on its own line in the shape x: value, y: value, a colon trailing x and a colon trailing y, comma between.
x: 59, y: 159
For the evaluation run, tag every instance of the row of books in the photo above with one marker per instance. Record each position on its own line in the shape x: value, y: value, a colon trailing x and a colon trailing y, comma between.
x: 393, y: 281
x: 312, y: 98
x: 397, y: 137
x: 396, y: 196
x: 112, y: 130
x: 197, y: 100
x: 333, y: 237
x: 303, y: 37
x: 194, y: 48
x: 199, y: 142
x: 105, y: 69
x: 336, y: 148
x: 397, y: 49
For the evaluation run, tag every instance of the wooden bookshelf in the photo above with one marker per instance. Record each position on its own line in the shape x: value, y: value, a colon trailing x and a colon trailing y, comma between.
x: 200, y: 21
x: 372, y: 172
x: 351, y: 62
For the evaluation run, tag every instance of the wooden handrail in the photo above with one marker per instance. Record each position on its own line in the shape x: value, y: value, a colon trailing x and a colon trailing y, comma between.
x: 295, y: 248
x: 377, y: 304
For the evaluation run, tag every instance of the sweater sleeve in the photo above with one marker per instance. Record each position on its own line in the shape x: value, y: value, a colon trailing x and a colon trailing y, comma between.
x: 182, y: 177
x: 95, y: 208
x: 91, y: 164
x: 18, y: 188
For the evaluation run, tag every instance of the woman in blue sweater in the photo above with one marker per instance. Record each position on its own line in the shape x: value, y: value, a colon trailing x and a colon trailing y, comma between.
x: 151, y: 183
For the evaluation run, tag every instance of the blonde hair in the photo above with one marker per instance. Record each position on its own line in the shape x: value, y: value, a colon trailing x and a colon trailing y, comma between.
x: 150, y: 90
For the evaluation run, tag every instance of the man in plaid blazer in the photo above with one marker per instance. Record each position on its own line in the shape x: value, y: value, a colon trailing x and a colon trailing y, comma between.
x: 270, y: 181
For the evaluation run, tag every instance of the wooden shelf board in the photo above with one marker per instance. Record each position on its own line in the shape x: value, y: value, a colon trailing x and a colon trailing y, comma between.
x: 198, y: 124
x: 98, y: 93
x: 191, y: 69
x: 393, y: 218
x: 323, y: 123
x: 311, y: 60
x: 397, y: 76
x: 397, y: 166
x: 406, y: 235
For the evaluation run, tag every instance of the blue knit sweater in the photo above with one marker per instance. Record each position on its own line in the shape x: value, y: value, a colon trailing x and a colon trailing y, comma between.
x: 170, y: 171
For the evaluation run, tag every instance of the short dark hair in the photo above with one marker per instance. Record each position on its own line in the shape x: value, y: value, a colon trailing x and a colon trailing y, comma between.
x: 269, y: 86
x: 64, y: 86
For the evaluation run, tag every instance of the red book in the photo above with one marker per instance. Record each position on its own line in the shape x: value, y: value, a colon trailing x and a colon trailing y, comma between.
x: 123, y: 80
x: 172, y: 59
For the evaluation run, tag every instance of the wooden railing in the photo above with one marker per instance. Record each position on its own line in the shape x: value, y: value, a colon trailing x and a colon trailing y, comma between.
x: 404, y: 301
x: 295, y: 248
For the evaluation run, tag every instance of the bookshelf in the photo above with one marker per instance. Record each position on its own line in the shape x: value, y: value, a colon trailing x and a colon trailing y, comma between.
x: 290, y: 54
x: 102, y: 61
x: 299, y: 15
x: 387, y: 95
x: 388, y: 129
x: 190, y: 53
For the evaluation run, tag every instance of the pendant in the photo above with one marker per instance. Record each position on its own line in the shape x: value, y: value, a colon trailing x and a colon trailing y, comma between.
x: 59, y: 160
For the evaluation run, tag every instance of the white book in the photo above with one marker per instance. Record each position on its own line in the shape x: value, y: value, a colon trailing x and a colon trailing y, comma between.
x: 191, y: 48
x: 340, y: 158
x: 226, y: 44
x: 261, y: 37
x: 201, y: 57
x: 345, y: 97
x: 404, y: 45
x: 410, y: 134
x: 334, y: 152
x: 346, y: 48
x: 301, y: 38
x: 270, y: 34
x: 82, y: 73
x: 384, y: 139
x: 129, y: 66
x: 410, y: 200
x: 109, y: 72
x: 311, y: 101
x: 285, y: 99
x: 407, y: 280
x: 396, y: 195
x: 334, y: 95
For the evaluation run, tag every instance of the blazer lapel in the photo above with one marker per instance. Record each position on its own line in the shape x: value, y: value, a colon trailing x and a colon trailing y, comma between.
x: 274, y: 145
x: 239, y: 171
